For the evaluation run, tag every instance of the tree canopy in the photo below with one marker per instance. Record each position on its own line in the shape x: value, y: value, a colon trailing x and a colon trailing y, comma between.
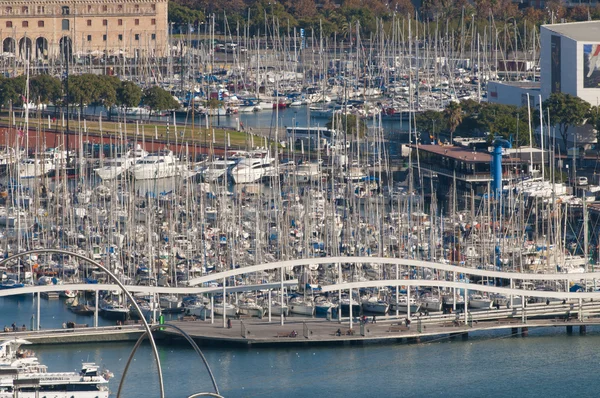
x: 159, y: 99
x: 566, y: 111
x: 129, y: 94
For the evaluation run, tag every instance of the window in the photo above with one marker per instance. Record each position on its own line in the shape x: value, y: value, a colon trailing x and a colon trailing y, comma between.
x: 104, y: 37
x: 89, y: 22
x: 66, y: 10
x: 120, y: 37
x: 153, y: 37
x: 137, y: 36
x: 136, y: 8
x: 90, y: 9
x: 25, y: 10
x: 120, y: 22
x: 153, y: 21
x: 105, y: 22
x: 89, y: 37
x: 9, y: 10
x: 153, y: 6
x: 40, y: 24
x: 120, y: 7
x: 105, y: 8
x: 41, y: 10
x: 65, y: 24
x: 137, y: 22
x: 25, y: 24
x: 9, y: 24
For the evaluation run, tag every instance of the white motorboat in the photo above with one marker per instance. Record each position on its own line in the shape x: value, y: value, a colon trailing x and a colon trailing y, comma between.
x: 114, y: 311
x: 36, y: 167
x: 323, y: 305
x: 253, y: 169
x: 216, y: 169
x: 305, y: 172
x: 277, y: 308
x: 249, y: 307
x: 430, y: 304
x: 345, y: 303
x: 24, y: 376
x: 373, y: 304
x: 171, y: 304
x: 403, y: 307
x: 301, y: 307
x: 479, y: 302
x: 230, y: 309
x: 113, y: 168
x: 162, y: 164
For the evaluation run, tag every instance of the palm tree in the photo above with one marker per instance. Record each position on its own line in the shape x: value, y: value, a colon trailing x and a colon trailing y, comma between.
x: 454, y: 115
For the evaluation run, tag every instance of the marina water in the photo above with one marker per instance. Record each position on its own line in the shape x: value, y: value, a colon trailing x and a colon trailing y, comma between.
x: 490, y: 364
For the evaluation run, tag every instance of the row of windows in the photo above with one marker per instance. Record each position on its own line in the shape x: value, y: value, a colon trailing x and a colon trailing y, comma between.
x: 66, y: 10
x: 65, y: 23
x: 136, y: 36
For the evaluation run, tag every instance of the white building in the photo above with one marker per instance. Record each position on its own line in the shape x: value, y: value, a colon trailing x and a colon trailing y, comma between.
x: 514, y: 93
x: 570, y: 60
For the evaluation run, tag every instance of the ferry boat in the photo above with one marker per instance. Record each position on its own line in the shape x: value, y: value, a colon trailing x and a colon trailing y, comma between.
x: 23, y: 376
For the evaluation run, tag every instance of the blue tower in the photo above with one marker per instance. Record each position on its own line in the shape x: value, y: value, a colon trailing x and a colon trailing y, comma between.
x: 499, y: 143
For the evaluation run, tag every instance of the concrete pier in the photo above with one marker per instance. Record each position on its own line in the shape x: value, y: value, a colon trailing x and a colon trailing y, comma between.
x: 298, y: 331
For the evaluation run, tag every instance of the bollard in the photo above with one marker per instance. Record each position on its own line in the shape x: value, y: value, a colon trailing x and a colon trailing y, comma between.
x: 524, y: 332
x: 582, y: 330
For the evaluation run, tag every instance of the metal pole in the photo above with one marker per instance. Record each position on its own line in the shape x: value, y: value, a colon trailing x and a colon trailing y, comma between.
x: 282, y: 301
x: 38, y: 310
x: 512, y: 286
x: 212, y: 309
x: 397, y: 292
x: 523, y: 309
x: 96, y: 310
x: 454, y: 295
x: 350, y: 309
x: 466, y: 305
x: 408, y: 300
x: 224, y: 305
x: 339, y: 293
x: 270, y: 306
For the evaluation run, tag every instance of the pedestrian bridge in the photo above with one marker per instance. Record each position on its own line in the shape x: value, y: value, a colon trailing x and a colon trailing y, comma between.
x: 444, y: 275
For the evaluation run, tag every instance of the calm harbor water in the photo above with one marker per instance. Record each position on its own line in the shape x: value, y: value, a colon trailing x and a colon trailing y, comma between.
x: 547, y: 363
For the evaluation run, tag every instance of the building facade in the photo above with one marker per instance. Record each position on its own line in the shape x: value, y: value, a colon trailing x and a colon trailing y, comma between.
x: 47, y: 29
x: 570, y: 60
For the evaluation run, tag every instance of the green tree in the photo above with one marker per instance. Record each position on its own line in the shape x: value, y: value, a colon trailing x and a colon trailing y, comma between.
x: 159, y: 99
x: 12, y: 90
x: 184, y: 16
x: 352, y: 125
x: 45, y: 89
x: 81, y: 89
x: 454, y: 117
x: 129, y: 94
x: 431, y: 122
x: 566, y: 111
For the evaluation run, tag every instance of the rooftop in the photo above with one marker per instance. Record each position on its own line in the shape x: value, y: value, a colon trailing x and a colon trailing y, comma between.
x: 580, y: 31
x: 456, y: 152
x: 521, y: 84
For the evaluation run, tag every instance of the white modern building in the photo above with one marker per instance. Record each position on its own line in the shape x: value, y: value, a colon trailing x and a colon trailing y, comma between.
x: 570, y: 60
x: 514, y: 93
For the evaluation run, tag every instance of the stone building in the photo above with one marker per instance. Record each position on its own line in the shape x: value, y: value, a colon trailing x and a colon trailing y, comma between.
x: 46, y: 29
